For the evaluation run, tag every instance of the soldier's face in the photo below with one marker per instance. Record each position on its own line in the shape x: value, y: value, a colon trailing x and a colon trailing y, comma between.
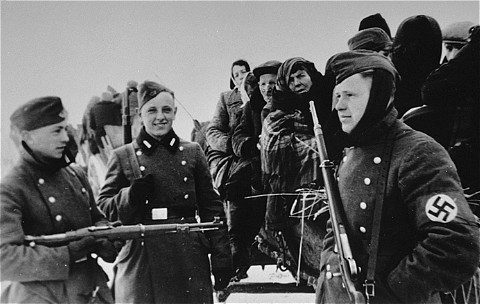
x: 351, y: 98
x: 158, y: 115
x: 49, y: 141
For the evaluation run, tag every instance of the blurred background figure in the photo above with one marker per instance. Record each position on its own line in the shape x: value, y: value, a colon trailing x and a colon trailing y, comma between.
x: 373, y: 39
x: 416, y: 52
x: 455, y: 37
x: 375, y: 20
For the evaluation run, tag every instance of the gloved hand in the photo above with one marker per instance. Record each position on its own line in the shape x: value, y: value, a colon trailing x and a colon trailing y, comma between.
x: 105, y: 248
x: 141, y: 190
x: 81, y: 248
x: 222, y: 278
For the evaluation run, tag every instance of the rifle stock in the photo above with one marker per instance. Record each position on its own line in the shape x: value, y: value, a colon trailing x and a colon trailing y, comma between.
x: 126, y: 232
x: 348, y: 266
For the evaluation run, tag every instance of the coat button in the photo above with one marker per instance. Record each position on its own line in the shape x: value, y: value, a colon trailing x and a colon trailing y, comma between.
x: 185, y: 179
x: 41, y: 181
x: 180, y: 148
x: 363, y: 205
x: 58, y: 218
x: 84, y: 190
x: 363, y: 229
x: 377, y: 160
x: 51, y: 199
x: 185, y: 196
x: 345, y: 158
x: 142, y: 168
x: 138, y: 153
x: 184, y: 163
x: 367, y: 181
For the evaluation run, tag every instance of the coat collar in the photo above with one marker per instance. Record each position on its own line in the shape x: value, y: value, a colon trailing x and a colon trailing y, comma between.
x: 148, y: 144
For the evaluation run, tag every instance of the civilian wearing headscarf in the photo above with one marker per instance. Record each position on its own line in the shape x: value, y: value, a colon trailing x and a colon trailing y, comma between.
x: 416, y: 52
x: 374, y: 39
x: 375, y: 20
x: 424, y: 209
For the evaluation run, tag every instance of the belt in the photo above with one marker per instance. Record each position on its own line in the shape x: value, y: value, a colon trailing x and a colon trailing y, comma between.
x: 169, y: 213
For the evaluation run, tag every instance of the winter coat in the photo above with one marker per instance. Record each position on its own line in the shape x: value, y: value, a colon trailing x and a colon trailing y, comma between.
x: 429, y: 242
x: 36, y: 200
x: 172, y: 268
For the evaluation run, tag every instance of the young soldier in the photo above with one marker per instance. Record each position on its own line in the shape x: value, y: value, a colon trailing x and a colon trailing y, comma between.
x: 44, y: 194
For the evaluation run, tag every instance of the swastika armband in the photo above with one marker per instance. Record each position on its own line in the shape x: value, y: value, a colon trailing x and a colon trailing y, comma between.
x: 441, y: 208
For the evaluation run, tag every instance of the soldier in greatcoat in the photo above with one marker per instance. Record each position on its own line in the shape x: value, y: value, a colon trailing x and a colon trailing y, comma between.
x: 160, y: 179
x: 46, y: 194
x: 424, y: 239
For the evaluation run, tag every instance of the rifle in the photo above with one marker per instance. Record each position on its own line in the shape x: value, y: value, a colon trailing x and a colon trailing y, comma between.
x: 348, y: 266
x: 126, y: 117
x: 126, y: 232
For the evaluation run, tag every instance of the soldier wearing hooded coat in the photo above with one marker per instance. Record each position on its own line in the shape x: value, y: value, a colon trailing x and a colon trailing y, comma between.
x: 46, y: 194
x: 428, y: 238
x: 160, y: 179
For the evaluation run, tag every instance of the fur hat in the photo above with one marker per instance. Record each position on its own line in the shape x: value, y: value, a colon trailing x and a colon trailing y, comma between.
x: 149, y: 90
x: 38, y: 113
x: 269, y: 67
x: 457, y: 32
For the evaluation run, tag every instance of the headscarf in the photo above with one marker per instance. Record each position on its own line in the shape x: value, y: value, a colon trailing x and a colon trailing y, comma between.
x: 374, y: 39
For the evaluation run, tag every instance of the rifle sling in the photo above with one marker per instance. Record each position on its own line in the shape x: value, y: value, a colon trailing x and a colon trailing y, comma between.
x: 377, y: 217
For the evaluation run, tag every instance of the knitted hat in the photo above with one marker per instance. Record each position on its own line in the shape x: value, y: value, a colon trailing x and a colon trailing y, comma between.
x: 457, y: 32
x: 269, y: 67
x: 375, y: 20
x: 149, y: 90
x: 374, y: 39
x: 106, y: 96
x: 38, y: 113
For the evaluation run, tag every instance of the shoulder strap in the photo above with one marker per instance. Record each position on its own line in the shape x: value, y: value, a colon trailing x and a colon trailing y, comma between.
x: 377, y: 217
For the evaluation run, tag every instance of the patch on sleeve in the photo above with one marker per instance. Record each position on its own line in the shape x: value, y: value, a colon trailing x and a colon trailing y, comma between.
x: 441, y: 208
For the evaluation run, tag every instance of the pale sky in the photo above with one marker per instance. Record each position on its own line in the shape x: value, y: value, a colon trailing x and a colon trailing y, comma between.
x: 76, y: 49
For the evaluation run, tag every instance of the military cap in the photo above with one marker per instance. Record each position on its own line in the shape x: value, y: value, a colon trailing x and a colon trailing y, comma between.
x: 38, y: 113
x: 269, y: 67
x: 346, y: 64
x: 457, y: 32
x: 149, y: 90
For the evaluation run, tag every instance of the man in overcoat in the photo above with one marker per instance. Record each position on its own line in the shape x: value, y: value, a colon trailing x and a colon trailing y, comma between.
x: 46, y: 194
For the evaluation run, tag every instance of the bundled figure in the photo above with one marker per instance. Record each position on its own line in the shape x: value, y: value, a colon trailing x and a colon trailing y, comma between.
x: 411, y: 230
x: 160, y: 179
x: 46, y: 194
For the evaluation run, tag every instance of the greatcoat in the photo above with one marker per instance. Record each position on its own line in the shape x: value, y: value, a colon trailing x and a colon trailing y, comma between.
x: 38, y: 200
x: 171, y: 268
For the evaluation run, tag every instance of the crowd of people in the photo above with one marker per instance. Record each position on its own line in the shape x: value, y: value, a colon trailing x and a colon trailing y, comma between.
x: 410, y: 200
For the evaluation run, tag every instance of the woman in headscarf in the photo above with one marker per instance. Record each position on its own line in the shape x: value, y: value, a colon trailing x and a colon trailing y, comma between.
x: 401, y: 197
x: 416, y: 52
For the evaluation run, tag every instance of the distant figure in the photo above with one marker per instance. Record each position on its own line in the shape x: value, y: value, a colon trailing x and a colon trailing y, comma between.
x: 416, y: 52
x: 455, y: 37
x: 199, y: 132
x: 373, y: 39
x: 375, y: 20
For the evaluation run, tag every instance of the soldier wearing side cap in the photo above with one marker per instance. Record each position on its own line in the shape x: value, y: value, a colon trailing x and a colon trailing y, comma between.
x: 46, y: 194
x: 162, y: 179
x: 428, y: 240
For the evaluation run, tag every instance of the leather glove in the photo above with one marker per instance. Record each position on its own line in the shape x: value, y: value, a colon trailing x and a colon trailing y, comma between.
x: 222, y: 278
x: 81, y: 248
x: 141, y: 190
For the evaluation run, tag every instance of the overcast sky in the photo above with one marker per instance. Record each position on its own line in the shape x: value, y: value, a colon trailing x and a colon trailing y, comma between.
x: 76, y: 49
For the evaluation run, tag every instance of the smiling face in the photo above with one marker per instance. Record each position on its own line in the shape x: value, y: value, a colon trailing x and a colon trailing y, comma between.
x: 158, y: 115
x: 351, y: 99
x: 266, y: 85
x: 300, y: 82
x: 49, y: 141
